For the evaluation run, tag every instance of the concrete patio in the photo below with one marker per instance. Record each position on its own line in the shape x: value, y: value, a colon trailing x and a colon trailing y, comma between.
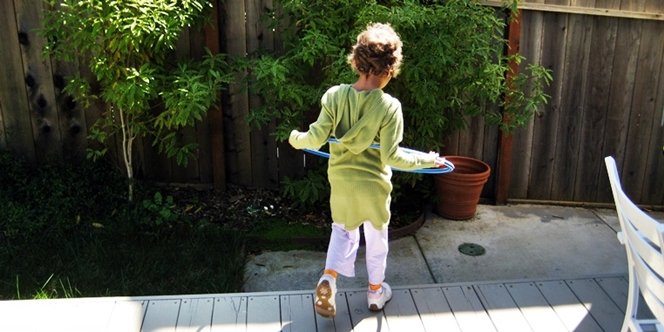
x: 521, y: 241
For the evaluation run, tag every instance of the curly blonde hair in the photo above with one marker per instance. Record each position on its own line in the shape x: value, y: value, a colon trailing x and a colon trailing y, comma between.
x: 377, y: 51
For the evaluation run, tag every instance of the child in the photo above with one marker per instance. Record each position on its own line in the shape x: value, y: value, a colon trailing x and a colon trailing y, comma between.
x: 359, y: 115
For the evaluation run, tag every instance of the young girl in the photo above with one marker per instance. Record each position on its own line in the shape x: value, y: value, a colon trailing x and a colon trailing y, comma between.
x: 359, y: 115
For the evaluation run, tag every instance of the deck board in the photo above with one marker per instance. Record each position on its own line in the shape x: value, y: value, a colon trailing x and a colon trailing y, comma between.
x: 263, y: 314
x: 504, y: 313
x: 296, y: 313
x: 229, y: 314
x: 584, y: 304
x: 468, y: 309
x: 607, y: 314
x: 536, y: 310
x: 161, y: 315
x: 195, y: 315
x: 126, y: 315
x: 434, y: 310
x: 572, y: 313
x: 401, y: 313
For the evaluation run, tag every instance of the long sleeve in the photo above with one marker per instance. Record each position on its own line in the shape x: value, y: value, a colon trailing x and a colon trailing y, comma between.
x: 318, y: 133
x: 391, y: 134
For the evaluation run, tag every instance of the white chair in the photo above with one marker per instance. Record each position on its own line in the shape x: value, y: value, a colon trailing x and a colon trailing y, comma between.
x: 643, y: 238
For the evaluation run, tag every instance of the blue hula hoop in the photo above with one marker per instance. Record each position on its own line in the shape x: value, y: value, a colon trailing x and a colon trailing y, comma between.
x: 447, y: 168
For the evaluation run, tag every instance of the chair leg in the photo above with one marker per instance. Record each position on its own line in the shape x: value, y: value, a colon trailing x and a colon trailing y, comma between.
x: 632, y: 302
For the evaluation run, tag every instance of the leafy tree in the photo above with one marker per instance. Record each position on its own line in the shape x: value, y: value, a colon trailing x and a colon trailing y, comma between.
x: 128, y: 46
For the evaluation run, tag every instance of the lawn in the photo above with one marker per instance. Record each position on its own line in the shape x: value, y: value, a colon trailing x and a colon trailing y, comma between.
x: 69, y: 232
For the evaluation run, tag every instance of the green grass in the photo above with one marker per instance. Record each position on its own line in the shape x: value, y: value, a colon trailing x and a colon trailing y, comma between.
x: 68, y: 232
x: 276, y: 234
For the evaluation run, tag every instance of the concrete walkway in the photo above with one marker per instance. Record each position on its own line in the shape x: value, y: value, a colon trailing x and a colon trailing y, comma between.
x: 521, y: 242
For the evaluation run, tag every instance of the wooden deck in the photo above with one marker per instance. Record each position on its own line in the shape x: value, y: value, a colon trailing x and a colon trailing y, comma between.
x: 589, y: 304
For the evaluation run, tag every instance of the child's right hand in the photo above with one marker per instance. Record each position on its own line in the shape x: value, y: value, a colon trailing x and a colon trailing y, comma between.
x: 440, y: 162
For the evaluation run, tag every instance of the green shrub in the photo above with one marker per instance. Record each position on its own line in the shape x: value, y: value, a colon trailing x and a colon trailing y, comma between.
x: 55, y: 198
x: 308, y: 191
x: 454, y: 68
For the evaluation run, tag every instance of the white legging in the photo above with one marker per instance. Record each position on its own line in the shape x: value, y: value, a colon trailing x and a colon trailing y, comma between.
x: 342, y: 251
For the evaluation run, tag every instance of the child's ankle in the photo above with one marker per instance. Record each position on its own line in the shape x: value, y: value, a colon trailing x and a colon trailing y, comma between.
x: 331, y: 273
x: 375, y: 288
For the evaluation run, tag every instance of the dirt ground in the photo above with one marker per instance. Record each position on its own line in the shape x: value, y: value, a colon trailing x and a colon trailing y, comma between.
x: 241, y: 207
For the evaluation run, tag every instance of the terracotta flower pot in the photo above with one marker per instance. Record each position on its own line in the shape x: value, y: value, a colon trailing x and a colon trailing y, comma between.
x: 459, y: 191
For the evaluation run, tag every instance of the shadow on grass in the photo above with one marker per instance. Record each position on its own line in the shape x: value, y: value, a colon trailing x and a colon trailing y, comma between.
x: 181, y: 260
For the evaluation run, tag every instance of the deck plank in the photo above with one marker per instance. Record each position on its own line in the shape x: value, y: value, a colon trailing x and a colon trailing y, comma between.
x: 364, y: 320
x: 127, y: 315
x: 534, y: 307
x: 468, y: 309
x: 229, y: 314
x: 504, y: 313
x: 401, y: 313
x: 571, y: 312
x: 601, y: 307
x: 297, y: 314
x: 583, y: 305
x: 23, y: 315
x: 195, y: 315
x: 616, y: 288
x: 263, y: 314
x: 342, y: 320
x: 161, y: 315
x: 82, y: 316
x: 435, y: 313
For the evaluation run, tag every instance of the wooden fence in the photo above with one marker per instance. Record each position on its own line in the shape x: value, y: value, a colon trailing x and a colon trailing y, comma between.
x: 607, y: 98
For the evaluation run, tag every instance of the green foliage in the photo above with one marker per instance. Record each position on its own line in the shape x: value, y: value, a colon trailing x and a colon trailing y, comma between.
x: 162, y: 210
x: 67, y: 231
x: 128, y: 47
x: 454, y: 65
x: 280, y: 235
x: 524, y: 98
x: 52, y: 289
x: 53, y: 199
x: 307, y: 191
x: 454, y: 68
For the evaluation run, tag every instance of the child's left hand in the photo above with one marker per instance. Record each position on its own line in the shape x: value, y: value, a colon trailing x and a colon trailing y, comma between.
x: 440, y: 162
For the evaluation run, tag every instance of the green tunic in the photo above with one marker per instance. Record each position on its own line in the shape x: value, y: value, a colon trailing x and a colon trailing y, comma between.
x: 360, y: 177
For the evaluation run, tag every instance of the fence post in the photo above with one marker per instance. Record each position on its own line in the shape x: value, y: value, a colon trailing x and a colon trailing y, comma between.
x: 504, y: 168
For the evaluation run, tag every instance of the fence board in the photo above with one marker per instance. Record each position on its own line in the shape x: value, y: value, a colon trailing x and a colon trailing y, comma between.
x: 620, y: 95
x: 574, y: 82
x: 239, y: 142
x: 522, y: 141
x: 74, y: 128
x: 263, y: 145
x: 595, y: 105
x: 637, y: 152
x: 656, y: 170
x: 202, y: 133
x: 546, y: 126
x: 37, y: 72
x: 13, y: 100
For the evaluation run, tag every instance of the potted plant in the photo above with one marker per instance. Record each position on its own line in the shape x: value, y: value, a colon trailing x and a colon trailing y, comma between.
x: 454, y: 67
x: 128, y: 48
